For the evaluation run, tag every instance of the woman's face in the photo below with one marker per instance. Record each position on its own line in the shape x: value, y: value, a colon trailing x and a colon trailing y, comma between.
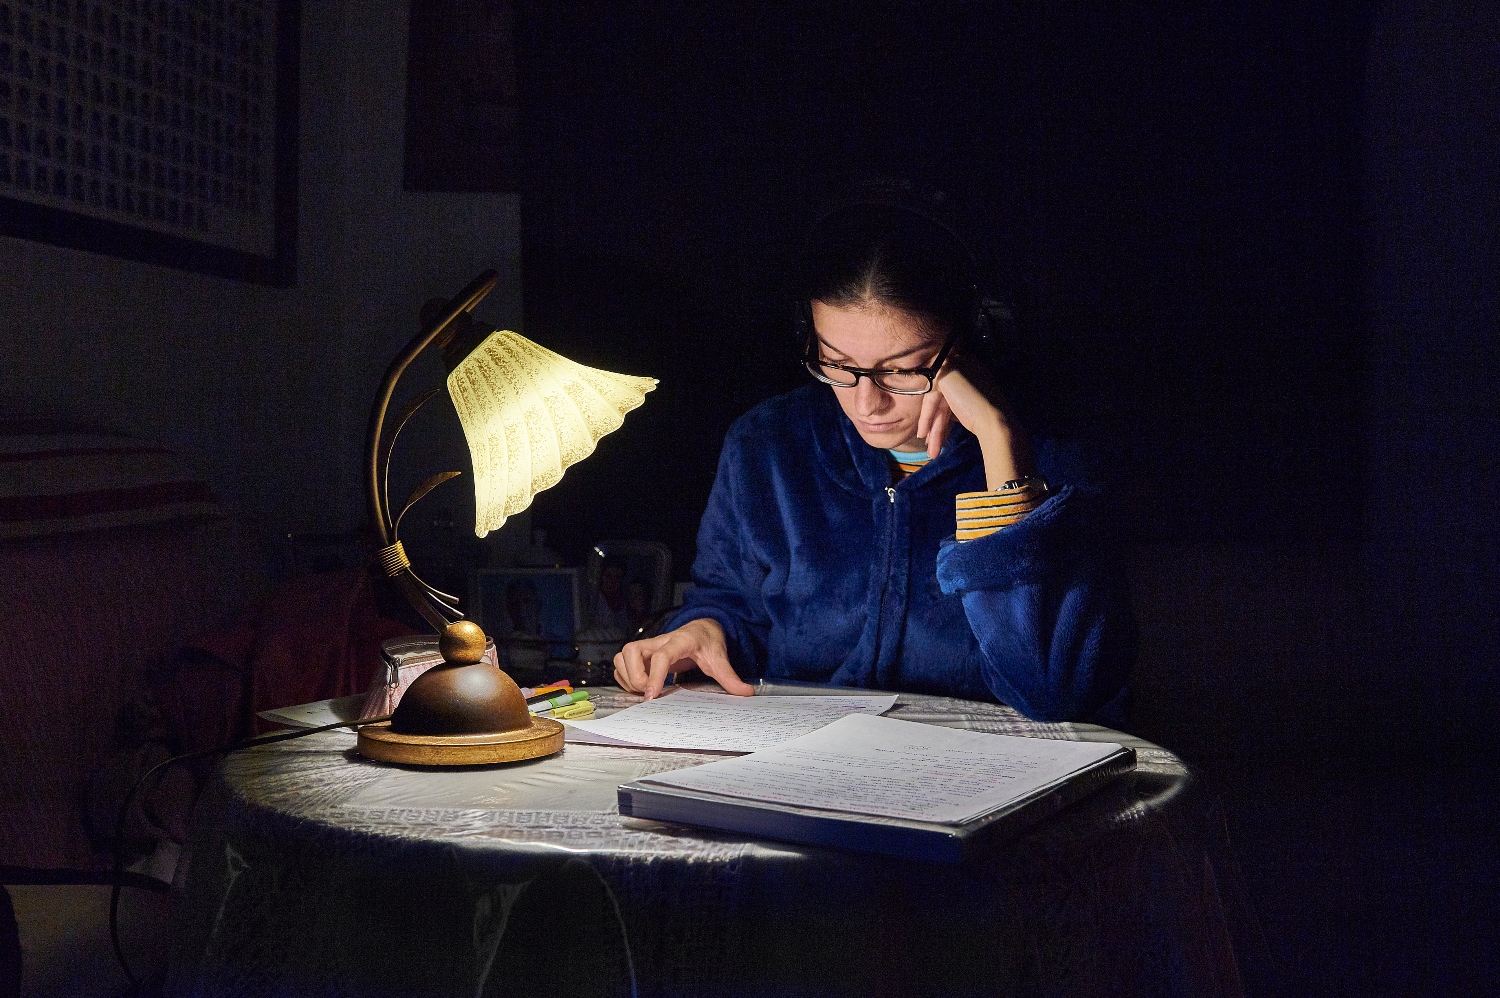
x: 877, y: 337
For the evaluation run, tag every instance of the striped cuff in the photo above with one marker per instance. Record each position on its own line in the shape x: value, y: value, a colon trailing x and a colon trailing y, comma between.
x: 982, y: 513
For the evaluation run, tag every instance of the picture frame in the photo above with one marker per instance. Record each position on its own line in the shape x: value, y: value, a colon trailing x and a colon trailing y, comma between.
x: 527, y: 604
x: 645, y: 562
x: 164, y: 133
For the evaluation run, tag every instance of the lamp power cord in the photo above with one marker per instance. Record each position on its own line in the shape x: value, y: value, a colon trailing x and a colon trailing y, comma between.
x: 117, y: 845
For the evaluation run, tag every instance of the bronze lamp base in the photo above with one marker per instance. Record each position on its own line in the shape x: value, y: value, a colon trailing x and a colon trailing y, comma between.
x: 464, y: 712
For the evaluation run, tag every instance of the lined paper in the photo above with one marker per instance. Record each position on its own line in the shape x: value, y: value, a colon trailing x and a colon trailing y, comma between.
x: 900, y: 769
x: 721, y: 722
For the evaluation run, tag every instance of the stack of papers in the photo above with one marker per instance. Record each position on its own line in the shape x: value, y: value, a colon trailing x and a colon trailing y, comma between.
x: 899, y: 769
x: 876, y: 784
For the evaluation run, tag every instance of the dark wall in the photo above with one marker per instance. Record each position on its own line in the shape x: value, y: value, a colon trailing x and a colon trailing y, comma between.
x: 1168, y: 197
x: 1432, y: 546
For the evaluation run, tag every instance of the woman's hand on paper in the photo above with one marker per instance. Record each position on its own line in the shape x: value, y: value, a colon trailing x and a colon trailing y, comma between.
x: 642, y: 666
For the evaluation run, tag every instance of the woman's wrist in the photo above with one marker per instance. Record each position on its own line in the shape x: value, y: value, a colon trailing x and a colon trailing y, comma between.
x: 996, y: 444
x: 707, y: 624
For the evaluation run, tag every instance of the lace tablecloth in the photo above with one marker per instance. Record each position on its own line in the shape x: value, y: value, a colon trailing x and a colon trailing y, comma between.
x: 314, y: 871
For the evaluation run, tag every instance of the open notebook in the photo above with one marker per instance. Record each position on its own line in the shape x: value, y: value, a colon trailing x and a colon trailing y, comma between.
x: 877, y: 784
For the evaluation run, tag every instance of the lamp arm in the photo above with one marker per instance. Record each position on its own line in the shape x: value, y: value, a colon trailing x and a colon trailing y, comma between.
x: 465, y: 300
x: 392, y: 557
x: 388, y: 446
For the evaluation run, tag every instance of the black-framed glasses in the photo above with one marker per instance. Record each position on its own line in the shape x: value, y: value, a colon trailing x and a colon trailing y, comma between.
x: 908, y: 381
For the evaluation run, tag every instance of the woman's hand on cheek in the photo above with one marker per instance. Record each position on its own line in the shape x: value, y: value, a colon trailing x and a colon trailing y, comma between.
x: 933, y: 421
x: 974, y: 400
x: 969, y: 395
x: 642, y: 666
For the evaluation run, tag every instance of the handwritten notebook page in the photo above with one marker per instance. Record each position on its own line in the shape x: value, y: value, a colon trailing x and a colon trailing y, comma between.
x: 720, y: 722
x: 899, y: 769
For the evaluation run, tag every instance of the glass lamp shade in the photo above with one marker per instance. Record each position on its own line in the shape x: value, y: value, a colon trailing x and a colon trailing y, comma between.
x: 529, y: 414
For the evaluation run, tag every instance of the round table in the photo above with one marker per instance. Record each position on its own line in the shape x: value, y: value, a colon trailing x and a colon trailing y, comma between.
x: 315, y: 871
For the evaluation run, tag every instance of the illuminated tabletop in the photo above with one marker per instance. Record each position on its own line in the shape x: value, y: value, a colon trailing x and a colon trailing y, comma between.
x: 314, y: 871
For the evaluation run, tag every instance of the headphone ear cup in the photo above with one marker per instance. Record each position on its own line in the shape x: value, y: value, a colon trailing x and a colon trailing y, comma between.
x: 998, y: 323
x: 802, y: 327
x: 984, y: 332
x: 979, y: 335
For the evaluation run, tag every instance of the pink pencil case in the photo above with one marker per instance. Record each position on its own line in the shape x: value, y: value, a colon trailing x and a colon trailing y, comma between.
x: 404, y: 659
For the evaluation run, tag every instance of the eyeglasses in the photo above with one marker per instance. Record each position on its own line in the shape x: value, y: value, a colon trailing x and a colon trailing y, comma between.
x: 910, y: 381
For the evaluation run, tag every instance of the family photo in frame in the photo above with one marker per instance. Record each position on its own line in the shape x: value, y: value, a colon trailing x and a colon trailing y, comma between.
x: 528, y: 607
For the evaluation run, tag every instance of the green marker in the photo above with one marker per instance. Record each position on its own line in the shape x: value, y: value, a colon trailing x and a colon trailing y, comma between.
x: 559, y: 701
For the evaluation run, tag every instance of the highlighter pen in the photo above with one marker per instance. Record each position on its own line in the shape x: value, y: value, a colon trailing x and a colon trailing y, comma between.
x: 545, y: 693
x: 574, y: 711
x: 560, y: 701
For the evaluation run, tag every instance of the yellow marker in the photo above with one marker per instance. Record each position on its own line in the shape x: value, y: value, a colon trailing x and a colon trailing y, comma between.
x: 574, y: 711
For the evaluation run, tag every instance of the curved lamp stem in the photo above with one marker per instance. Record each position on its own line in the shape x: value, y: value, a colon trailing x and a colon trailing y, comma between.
x: 374, y: 473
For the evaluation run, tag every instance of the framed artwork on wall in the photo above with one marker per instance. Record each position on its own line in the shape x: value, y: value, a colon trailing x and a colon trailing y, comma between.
x: 163, y: 131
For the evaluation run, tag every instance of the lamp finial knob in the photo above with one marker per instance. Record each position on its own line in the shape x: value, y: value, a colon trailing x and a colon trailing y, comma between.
x: 462, y: 643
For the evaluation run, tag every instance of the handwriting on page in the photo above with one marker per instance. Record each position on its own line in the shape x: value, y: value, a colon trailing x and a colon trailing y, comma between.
x: 876, y: 765
x: 927, y: 787
x: 717, y: 722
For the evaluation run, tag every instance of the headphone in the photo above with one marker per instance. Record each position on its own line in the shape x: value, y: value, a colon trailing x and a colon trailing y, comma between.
x: 986, y: 315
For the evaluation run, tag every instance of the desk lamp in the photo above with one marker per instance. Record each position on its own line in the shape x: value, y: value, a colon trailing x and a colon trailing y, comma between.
x: 528, y: 415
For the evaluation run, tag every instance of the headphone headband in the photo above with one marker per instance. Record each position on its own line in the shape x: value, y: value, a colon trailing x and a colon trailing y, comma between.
x: 898, y: 197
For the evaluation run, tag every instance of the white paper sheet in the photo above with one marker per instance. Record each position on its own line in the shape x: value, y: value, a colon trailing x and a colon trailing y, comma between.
x: 900, y: 769
x: 318, y: 713
x: 719, y: 722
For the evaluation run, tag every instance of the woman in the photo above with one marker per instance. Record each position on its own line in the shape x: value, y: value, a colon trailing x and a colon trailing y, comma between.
x: 885, y: 525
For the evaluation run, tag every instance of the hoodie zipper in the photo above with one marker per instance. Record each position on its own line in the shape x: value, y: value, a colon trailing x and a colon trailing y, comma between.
x: 885, y: 586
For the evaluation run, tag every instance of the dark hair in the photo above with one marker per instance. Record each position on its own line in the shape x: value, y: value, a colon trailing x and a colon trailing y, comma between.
x: 887, y: 254
x: 888, y: 244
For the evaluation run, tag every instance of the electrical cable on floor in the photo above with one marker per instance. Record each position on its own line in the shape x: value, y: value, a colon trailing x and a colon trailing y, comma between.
x: 118, y: 868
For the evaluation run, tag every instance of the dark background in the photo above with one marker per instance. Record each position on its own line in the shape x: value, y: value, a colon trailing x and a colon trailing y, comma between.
x: 1252, y: 247
x: 1169, y: 197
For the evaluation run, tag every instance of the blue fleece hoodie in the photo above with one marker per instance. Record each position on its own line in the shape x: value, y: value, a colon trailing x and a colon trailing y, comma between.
x: 819, y: 569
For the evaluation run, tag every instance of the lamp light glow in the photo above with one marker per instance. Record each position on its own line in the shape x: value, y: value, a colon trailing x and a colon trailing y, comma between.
x: 529, y: 414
